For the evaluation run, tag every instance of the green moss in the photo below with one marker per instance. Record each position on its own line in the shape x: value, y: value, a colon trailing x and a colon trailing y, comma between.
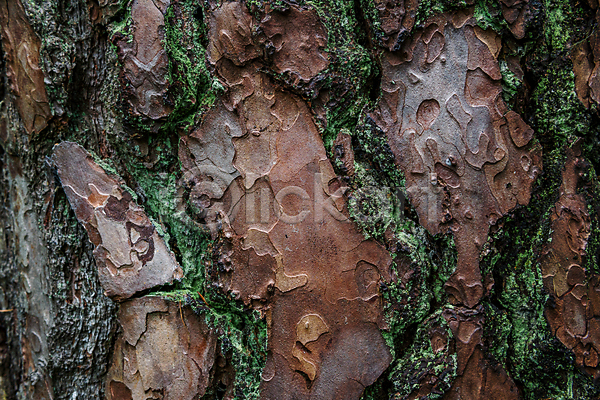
x: 192, y: 90
x: 259, y: 5
x: 122, y: 22
x: 371, y: 15
x: 511, y: 84
x: 516, y: 330
x: 409, y: 299
x: 559, y: 115
x: 242, y: 333
x: 591, y: 194
x: 107, y: 166
x: 242, y: 336
x: 429, y: 8
x: 488, y: 15
x: 372, y: 147
x: 58, y: 52
x: 420, y: 358
x: 374, y: 207
x: 376, y: 199
x: 192, y: 87
x: 156, y: 178
x: 348, y: 77
x: 498, y: 328
x: 524, y: 299
x: 556, y: 29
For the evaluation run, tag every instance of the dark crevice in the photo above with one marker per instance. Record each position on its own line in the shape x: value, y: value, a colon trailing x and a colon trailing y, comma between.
x: 382, y: 387
x: 364, y: 34
x: 161, y: 288
x: 306, y: 378
x: 402, y: 343
x: 375, y: 87
x: 7, y: 384
x: 2, y: 71
x: 591, y: 142
x: 365, y: 38
x: 199, y: 14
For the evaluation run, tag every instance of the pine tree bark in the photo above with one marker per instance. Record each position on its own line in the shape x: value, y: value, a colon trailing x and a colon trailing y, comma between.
x: 299, y: 199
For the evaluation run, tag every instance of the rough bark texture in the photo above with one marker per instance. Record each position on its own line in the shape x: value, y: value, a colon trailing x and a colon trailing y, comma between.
x: 308, y: 199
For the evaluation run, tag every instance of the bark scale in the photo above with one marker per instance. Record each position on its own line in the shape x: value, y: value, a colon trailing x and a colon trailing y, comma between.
x: 299, y: 199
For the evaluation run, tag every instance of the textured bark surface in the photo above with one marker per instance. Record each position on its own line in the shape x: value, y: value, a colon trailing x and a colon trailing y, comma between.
x: 130, y: 255
x: 369, y: 199
x: 163, y: 351
x: 462, y: 152
x: 24, y: 73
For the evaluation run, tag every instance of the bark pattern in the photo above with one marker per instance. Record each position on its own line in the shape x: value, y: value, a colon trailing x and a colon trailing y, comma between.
x: 299, y: 199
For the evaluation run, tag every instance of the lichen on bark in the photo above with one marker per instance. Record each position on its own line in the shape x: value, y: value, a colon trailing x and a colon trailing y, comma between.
x: 209, y: 125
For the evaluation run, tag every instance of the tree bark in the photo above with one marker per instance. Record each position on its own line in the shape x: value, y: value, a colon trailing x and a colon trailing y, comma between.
x: 307, y: 199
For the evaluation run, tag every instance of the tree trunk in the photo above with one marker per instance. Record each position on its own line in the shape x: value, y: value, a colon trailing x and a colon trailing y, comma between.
x: 299, y: 199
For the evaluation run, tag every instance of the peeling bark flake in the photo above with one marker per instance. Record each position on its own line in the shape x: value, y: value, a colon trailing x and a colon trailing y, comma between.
x: 130, y: 255
x: 163, y: 350
x: 22, y: 48
x: 467, y: 159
